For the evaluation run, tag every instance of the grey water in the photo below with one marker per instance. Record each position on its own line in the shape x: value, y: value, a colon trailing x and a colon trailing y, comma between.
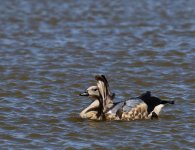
x: 50, y: 51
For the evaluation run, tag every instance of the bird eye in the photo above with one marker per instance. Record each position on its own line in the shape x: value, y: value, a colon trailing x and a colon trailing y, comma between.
x: 95, y: 89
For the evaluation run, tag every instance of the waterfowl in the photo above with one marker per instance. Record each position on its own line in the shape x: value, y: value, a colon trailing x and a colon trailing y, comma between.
x: 144, y: 106
x: 102, y: 99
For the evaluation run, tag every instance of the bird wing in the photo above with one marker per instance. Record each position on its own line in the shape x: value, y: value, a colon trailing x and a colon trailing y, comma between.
x: 106, y: 95
x: 125, y: 106
x: 131, y: 103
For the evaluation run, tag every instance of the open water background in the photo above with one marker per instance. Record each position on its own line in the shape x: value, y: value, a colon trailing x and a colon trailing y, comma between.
x: 50, y: 51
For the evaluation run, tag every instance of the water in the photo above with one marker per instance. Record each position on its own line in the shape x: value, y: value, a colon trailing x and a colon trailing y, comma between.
x: 50, y: 51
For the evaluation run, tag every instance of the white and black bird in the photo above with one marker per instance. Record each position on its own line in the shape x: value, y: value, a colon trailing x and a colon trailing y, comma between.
x: 103, y: 107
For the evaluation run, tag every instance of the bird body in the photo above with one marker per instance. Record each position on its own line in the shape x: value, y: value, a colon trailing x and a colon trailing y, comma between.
x: 104, y: 108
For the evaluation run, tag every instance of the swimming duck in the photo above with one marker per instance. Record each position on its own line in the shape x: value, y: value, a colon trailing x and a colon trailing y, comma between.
x: 102, y: 99
x: 144, y: 106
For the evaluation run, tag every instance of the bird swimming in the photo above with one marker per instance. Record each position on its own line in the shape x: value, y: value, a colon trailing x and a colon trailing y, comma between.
x: 98, y: 93
x: 103, y: 107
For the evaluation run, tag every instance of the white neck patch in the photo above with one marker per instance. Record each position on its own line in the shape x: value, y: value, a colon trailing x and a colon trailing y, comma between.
x: 157, y: 109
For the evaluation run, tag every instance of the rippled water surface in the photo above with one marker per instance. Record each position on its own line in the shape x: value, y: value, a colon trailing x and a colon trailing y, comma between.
x: 50, y: 51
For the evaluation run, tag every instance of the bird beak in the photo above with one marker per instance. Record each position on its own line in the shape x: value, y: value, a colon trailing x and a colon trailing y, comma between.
x: 84, y: 94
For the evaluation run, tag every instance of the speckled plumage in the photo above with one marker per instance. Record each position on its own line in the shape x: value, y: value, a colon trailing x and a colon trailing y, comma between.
x: 128, y: 110
x: 103, y: 108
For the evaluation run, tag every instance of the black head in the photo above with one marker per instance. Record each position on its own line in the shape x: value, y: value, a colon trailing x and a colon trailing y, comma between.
x: 153, y: 101
x: 145, y: 96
